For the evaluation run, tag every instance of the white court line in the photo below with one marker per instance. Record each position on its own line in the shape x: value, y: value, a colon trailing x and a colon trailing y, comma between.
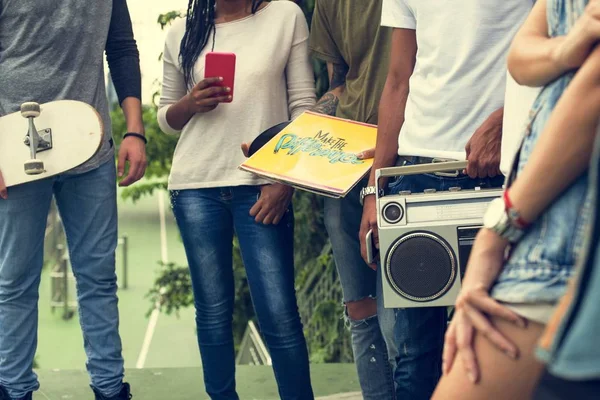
x: 165, y: 259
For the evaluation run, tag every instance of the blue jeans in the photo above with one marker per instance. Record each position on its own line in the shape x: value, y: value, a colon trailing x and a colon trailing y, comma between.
x: 419, y: 332
x: 372, y: 338
x: 207, y: 220
x: 88, y: 207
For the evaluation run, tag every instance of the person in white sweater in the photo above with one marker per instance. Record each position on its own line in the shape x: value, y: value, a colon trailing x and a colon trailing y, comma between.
x: 212, y: 199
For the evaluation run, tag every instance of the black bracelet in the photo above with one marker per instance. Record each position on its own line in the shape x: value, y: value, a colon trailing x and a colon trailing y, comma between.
x: 137, y: 135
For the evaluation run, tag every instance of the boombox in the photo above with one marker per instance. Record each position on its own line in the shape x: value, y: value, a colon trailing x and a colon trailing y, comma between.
x: 425, y: 238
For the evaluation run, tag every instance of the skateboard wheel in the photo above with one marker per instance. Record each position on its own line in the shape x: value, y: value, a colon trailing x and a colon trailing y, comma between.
x: 30, y: 110
x: 34, y: 167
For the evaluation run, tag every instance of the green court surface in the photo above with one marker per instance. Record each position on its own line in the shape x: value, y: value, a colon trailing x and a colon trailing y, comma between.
x: 173, y: 341
x: 253, y: 383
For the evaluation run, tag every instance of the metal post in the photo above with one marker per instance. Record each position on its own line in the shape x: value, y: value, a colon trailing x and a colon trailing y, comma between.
x: 57, y: 264
x: 64, y: 268
x: 125, y: 243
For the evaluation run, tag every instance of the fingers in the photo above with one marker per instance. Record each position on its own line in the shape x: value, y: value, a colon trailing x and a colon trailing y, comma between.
x: 362, y: 236
x: 256, y: 207
x: 485, y: 328
x: 365, y: 227
x: 261, y: 216
x: 277, y: 218
x: 477, y: 168
x: 121, y: 161
x: 450, y: 349
x: 135, y: 153
x: 375, y: 235
x: 207, y: 82
x: 259, y: 211
x: 491, y: 307
x: 133, y: 172
x: 205, y: 98
x: 269, y: 218
x: 245, y: 149
x: 367, y: 154
x: 211, y: 92
x: 464, y: 339
x: 140, y: 170
x: 3, y: 191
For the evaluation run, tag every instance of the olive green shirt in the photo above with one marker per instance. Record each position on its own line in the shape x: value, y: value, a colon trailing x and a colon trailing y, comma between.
x: 350, y: 32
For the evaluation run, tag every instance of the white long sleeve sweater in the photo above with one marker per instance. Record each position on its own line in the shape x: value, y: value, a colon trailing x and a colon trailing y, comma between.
x: 274, y: 82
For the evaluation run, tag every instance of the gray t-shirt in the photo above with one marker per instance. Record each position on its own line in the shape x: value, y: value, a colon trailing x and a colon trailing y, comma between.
x: 54, y: 50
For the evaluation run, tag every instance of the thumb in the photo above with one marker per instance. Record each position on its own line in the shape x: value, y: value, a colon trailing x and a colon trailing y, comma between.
x: 245, y: 149
x: 367, y: 154
x: 121, y: 162
x: 468, y: 153
x: 468, y: 149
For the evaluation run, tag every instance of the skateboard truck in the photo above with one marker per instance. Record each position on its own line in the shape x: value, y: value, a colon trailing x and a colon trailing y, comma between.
x: 36, y: 141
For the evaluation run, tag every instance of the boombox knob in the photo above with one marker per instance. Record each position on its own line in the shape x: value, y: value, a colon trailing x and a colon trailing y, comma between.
x: 428, y: 191
x: 455, y: 189
x: 405, y: 193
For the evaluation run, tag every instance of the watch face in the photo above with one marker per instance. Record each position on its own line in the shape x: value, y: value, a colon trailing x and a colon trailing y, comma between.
x: 494, y: 214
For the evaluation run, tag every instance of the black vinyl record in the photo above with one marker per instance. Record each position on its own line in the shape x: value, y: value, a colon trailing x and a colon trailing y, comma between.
x: 267, y: 135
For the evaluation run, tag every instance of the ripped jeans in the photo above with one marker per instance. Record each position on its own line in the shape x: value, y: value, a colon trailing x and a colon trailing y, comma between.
x: 372, y: 338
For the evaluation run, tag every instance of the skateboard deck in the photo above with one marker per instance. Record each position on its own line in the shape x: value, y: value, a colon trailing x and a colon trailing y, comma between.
x: 69, y: 133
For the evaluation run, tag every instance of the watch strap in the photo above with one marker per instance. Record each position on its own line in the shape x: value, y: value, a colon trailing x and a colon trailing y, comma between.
x: 367, y: 191
x: 512, y: 213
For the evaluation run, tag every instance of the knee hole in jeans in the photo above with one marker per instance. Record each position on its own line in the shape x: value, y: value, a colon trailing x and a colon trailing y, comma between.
x: 362, y: 309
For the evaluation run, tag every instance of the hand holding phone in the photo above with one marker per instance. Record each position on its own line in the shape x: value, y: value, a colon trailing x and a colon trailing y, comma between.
x: 205, y: 96
x: 221, y: 65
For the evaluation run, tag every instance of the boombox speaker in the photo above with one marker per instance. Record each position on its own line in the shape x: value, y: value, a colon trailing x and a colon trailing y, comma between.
x: 425, y: 239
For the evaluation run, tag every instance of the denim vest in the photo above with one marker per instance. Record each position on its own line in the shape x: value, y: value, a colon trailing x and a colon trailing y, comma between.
x: 541, y: 264
x: 569, y: 345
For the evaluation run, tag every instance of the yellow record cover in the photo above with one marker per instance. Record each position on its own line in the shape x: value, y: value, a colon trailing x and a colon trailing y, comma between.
x: 316, y: 153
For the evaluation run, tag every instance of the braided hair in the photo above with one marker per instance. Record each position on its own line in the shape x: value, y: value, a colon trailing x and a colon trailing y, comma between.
x: 200, y: 21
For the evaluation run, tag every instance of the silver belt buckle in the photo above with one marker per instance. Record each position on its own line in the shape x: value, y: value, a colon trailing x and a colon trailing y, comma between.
x: 446, y: 174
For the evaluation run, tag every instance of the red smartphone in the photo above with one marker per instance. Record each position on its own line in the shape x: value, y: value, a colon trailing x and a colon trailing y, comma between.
x: 223, y: 65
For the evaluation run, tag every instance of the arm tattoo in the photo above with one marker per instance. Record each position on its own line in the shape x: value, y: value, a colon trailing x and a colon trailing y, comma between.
x: 327, y: 105
x: 329, y: 102
x: 338, y: 77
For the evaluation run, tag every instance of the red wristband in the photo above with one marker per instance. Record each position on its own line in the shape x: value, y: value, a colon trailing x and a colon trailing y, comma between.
x: 512, y: 213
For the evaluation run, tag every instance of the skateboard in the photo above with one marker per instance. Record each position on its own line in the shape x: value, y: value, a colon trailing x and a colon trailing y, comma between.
x: 43, y: 140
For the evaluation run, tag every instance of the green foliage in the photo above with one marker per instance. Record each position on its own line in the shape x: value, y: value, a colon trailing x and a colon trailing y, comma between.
x: 165, y: 19
x: 326, y: 342
x: 172, y: 289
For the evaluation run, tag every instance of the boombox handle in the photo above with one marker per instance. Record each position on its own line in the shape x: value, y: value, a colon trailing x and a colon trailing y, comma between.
x: 417, y: 170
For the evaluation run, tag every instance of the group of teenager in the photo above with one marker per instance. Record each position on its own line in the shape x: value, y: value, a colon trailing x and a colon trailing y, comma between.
x: 508, y: 85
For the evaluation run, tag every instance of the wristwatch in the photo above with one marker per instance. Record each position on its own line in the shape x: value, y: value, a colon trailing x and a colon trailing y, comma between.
x: 501, y: 219
x: 367, y: 191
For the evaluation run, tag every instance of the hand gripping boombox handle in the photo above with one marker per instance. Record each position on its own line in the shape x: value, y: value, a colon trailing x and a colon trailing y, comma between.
x: 407, y: 170
x: 417, y: 170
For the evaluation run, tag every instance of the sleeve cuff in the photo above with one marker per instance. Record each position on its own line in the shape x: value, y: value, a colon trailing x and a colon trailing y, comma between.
x: 326, y: 57
x: 398, y: 21
x: 161, y: 116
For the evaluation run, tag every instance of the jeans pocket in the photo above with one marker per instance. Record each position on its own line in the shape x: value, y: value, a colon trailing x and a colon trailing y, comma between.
x: 394, y: 183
